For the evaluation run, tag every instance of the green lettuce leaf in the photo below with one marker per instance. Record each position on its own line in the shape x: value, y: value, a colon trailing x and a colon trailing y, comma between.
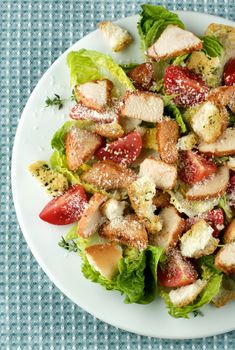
x: 172, y: 110
x: 153, y: 21
x: 212, y: 288
x: 212, y: 46
x: 58, y: 140
x: 59, y: 164
x: 128, y: 66
x: 180, y: 59
x: 223, y: 204
x: 88, y: 65
x: 136, y: 278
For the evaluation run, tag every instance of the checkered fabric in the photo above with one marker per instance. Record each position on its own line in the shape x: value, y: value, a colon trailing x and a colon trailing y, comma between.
x: 33, y: 312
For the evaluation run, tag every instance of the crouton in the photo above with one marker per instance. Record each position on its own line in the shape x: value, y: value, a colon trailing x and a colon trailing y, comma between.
x: 173, y: 42
x: 231, y: 163
x: 224, y: 146
x: 113, y: 208
x: 164, y: 175
x: 128, y: 230
x: 91, y: 217
x: 141, y: 193
x: 104, y: 258
x: 161, y: 199
x: 210, y: 68
x: 187, y: 294
x: 95, y: 94
x: 225, y: 258
x: 109, y: 175
x: 167, y: 137
x: 223, y: 96
x: 212, y: 187
x: 53, y: 182
x: 80, y: 145
x: 198, y: 241
x: 117, y: 37
x: 109, y: 130
x: 173, y: 227
x: 187, y: 142
x: 208, y: 121
x: 229, y: 235
x: 109, y: 115
x: 142, y: 105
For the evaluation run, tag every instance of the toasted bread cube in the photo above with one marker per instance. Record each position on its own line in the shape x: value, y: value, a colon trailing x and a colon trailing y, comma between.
x: 164, y: 175
x: 231, y: 163
x: 224, y: 146
x: 225, y: 258
x: 187, y: 142
x: 161, y: 199
x: 187, y: 294
x: 198, y: 241
x: 109, y: 175
x: 128, y: 230
x: 104, y: 258
x: 117, y: 37
x: 208, y: 121
x: 53, y: 182
x: 211, y: 68
x: 95, y: 94
x: 223, y: 96
x: 141, y: 193
x: 142, y: 105
x: 173, y: 227
x: 91, y: 217
x: 212, y: 187
x: 229, y: 235
x: 174, y: 42
x: 113, y: 208
x: 167, y: 137
x: 80, y: 145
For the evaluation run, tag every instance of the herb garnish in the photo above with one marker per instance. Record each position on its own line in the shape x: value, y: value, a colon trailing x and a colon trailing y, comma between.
x: 56, y: 101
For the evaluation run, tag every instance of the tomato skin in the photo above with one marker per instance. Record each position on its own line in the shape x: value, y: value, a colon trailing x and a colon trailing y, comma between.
x: 177, y: 271
x: 142, y: 76
x: 124, y: 150
x: 193, y: 167
x: 229, y: 72
x: 188, y: 86
x: 66, y: 208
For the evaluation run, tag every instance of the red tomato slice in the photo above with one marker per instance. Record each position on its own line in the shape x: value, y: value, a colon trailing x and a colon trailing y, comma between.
x: 66, y: 208
x: 124, y: 150
x: 177, y: 271
x: 188, y: 86
x: 229, y: 72
x: 193, y: 167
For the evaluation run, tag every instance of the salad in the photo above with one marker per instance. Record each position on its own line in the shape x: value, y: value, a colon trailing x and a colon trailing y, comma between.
x: 144, y: 168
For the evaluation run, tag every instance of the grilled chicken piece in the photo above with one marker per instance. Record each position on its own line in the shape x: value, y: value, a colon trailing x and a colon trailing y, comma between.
x: 127, y: 230
x: 164, y: 175
x: 187, y: 294
x: 212, y: 187
x: 80, y: 145
x: 167, y: 138
x: 109, y: 175
x: 229, y: 235
x: 95, y: 94
x: 174, y: 42
x: 224, y: 146
x: 142, y: 105
x: 225, y: 258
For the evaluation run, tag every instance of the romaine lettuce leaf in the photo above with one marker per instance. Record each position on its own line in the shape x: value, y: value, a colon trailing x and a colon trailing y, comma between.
x: 153, y: 21
x: 58, y: 163
x: 88, y: 65
x: 212, y: 288
x: 173, y: 110
x: 223, y: 204
x: 212, y: 46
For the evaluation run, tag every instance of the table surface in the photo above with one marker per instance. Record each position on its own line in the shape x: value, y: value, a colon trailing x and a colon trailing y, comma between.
x: 34, y: 314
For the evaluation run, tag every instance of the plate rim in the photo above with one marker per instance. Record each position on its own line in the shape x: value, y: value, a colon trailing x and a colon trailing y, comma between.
x: 33, y: 249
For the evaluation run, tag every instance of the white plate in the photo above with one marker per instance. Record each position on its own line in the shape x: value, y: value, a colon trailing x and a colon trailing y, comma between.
x: 32, y: 142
